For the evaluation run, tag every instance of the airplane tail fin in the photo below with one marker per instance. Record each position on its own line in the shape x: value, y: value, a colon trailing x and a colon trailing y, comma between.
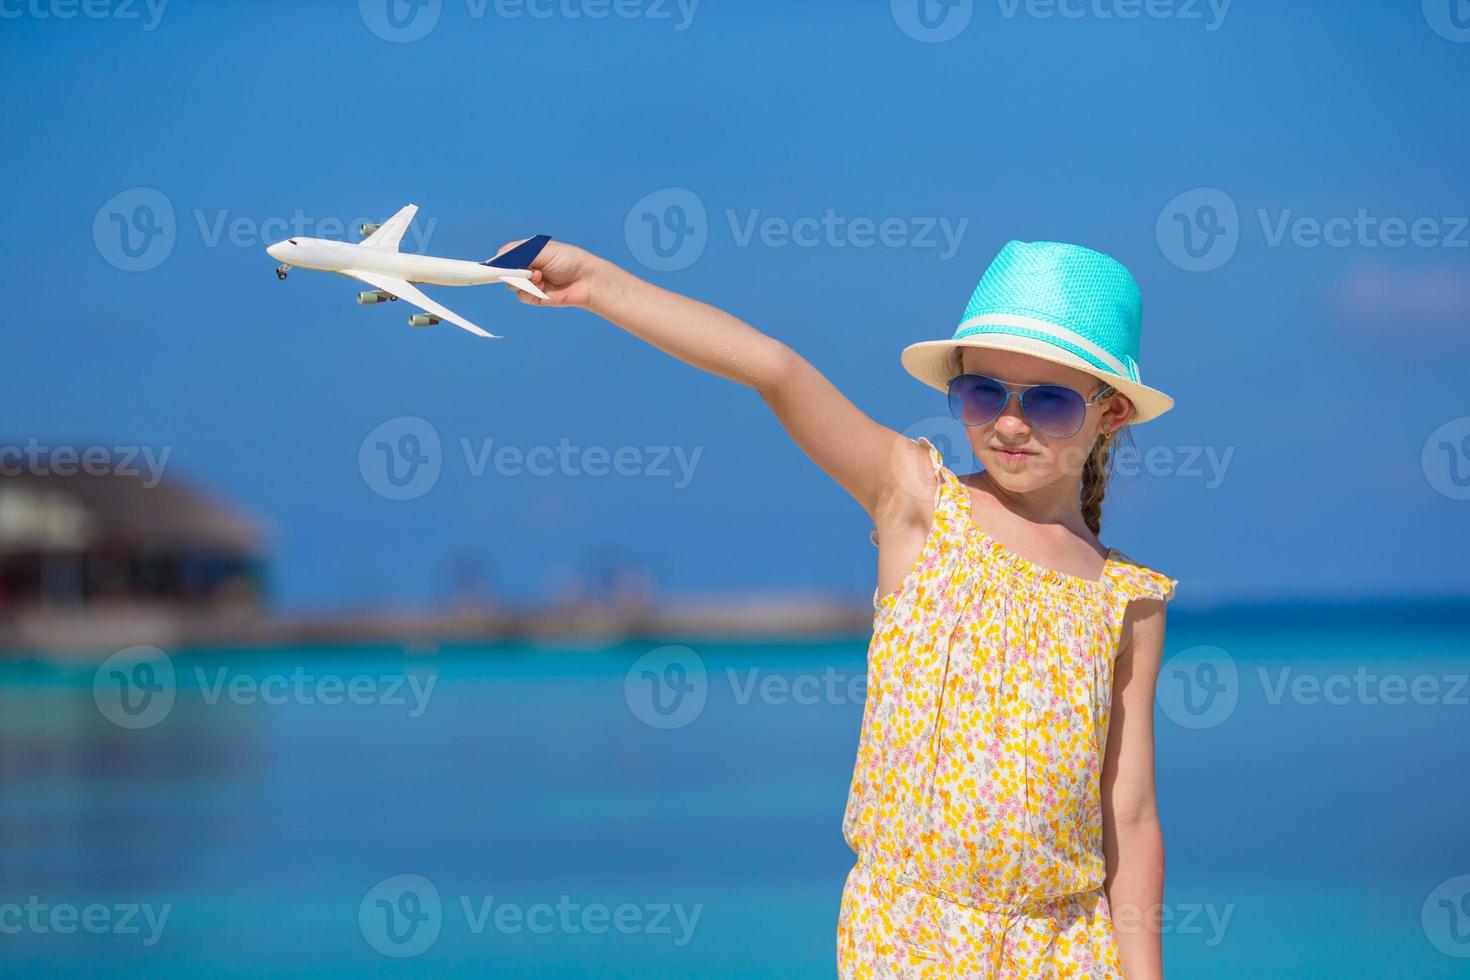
x: 521, y: 256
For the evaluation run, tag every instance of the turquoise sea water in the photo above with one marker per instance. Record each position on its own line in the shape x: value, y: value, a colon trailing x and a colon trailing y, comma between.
x: 640, y: 812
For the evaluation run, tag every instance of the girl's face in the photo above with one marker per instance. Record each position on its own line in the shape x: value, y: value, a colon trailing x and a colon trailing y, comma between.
x: 1015, y: 454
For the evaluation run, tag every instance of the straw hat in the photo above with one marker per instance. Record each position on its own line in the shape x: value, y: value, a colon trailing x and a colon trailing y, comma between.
x: 1062, y: 303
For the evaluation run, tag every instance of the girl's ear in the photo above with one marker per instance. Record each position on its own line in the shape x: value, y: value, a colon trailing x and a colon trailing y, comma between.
x: 1118, y: 411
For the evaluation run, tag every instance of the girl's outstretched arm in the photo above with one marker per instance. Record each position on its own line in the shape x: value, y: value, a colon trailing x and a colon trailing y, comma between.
x: 875, y: 464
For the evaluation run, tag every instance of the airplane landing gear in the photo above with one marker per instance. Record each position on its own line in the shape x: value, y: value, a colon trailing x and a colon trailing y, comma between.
x: 281, y: 270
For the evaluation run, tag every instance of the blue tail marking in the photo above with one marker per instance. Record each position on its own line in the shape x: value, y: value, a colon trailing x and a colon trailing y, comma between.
x: 521, y: 256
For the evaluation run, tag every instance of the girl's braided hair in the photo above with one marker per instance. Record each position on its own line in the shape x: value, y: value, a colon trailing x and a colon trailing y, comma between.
x: 1095, y: 473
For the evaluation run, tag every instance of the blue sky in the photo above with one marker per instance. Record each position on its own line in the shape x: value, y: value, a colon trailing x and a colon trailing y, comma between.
x: 1315, y: 339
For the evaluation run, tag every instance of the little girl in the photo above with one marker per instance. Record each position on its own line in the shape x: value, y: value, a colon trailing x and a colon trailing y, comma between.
x: 1002, y: 807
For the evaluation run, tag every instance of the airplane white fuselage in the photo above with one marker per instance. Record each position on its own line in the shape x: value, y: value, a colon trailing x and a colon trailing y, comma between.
x: 328, y: 256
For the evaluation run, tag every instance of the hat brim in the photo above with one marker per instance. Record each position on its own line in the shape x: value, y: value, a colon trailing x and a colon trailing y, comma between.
x: 931, y: 361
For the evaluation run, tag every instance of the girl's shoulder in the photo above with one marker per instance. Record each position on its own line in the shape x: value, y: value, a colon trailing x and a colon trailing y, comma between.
x: 919, y: 478
x: 1140, y: 581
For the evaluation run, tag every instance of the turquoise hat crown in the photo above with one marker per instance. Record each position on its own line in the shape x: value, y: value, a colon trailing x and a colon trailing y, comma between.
x: 1082, y: 301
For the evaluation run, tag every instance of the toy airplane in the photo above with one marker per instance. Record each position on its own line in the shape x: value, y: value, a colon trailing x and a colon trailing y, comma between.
x: 376, y: 261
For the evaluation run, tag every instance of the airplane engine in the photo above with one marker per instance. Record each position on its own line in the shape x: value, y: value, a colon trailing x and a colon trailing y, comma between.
x: 366, y: 229
x: 423, y: 320
x: 374, y: 296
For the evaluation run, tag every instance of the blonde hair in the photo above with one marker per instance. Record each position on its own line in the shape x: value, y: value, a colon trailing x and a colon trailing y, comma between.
x: 1095, y: 474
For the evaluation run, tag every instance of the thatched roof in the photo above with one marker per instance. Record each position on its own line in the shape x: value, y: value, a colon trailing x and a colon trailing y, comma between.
x: 48, y: 511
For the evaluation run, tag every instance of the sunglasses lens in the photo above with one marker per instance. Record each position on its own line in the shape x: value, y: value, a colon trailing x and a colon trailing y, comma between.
x: 1054, y: 410
x: 975, y: 400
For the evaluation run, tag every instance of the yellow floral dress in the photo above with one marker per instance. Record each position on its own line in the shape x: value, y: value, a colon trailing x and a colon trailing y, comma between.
x: 975, y: 808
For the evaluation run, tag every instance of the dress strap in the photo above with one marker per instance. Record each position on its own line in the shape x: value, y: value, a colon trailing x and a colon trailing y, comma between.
x: 941, y: 475
x: 935, y: 457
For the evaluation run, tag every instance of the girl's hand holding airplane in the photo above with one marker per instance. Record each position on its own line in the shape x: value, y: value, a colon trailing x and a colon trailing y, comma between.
x: 568, y: 275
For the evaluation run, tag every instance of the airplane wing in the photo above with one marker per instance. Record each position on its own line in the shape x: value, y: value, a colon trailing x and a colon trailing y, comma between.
x: 411, y: 294
x: 390, y: 232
